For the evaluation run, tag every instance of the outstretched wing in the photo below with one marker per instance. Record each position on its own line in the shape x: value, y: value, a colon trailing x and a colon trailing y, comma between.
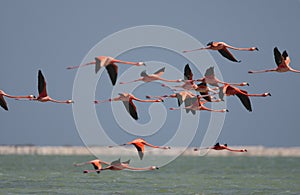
x: 143, y: 73
x: 41, y: 85
x: 205, y: 92
x: 245, y: 101
x: 227, y: 54
x: 179, y: 99
x: 140, y: 149
x: 189, y: 102
x: 188, y: 75
x: 112, y: 70
x: 210, y: 71
x: 160, y: 72
x: 278, y: 57
x: 3, y: 103
x: 131, y: 109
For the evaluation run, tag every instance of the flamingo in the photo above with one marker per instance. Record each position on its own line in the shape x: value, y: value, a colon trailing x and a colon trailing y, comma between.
x: 210, y: 78
x: 118, y: 165
x: 152, y: 77
x: 140, y: 143
x: 97, y: 163
x: 43, y: 96
x: 203, y: 89
x: 282, y: 61
x: 241, y: 94
x: 199, y: 105
x: 223, y: 49
x: 183, y: 96
x: 127, y: 100
x: 189, y: 83
x: 217, y: 146
x: 3, y: 103
x: 110, y: 64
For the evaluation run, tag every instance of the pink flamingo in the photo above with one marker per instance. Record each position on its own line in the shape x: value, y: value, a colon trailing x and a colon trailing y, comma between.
x: 282, y: 61
x: 118, y: 165
x: 110, y: 64
x: 3, y: 103
x: 43, y: 96
x: 152, y: 77
x: 210, y: 78
x: 97, y: 164
x: 189, y: 83
x: 199, y: 105
x: 127, y: 100
x: 140, y: 143
x: 223, y: 49
x: 217, y: 146
x: 241, y: 94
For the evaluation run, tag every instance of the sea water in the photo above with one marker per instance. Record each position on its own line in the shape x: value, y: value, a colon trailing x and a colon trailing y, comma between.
x: 33, y: 174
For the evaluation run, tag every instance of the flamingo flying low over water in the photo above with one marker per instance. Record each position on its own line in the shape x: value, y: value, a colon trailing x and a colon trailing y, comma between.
x: 152, y: 77
x: 140, y: 143
x: 3, y: 103
x: 42, y: 89
x: 223, y: 49
x: 96, y: 163
x: 241, y: 94
x: 110, y: 64
x: 199, y: 105
x: 282, y: 61
x: 217, y: 146
x: 127, y: 100
x: 117, y: 165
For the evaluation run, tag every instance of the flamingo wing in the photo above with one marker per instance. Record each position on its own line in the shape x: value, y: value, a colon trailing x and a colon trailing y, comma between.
x: 278, y: 57
x: 245, y: 101
x: 227, y: 54
x: 160, y: 72
x: 131, y: 109
x: 210, y: 71
x: 97, y: 65
x: 116, y: 162
x: 188, y: 75
x: 140, y: 148
x: 189, y: 102
x: 42, y: 85
x: 3, y: 103
x: 112, y: 70
x: 97, y: 166
x: 204, y: 93
x: 179, y: 99
x: 143, y: 73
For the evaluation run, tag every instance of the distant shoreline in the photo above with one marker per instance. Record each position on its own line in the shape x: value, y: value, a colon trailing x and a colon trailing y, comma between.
x: 102, y: 150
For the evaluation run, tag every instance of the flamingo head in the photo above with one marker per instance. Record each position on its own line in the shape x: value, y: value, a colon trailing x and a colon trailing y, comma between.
x: 31, y: 96
x: 225, y: 110
x: 266, y: 94
x: 69, y: 101
x: 254, y: 48
x: 153, y: 167
x: 166, y: 147
x: 141, y: 64
x: 245, y: 150
x: 244, y: 84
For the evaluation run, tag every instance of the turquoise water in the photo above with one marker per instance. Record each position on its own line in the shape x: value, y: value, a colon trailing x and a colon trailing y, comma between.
x: 185, y: 175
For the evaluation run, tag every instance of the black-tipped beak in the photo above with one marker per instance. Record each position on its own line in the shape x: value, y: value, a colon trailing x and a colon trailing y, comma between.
x: 256, y: 49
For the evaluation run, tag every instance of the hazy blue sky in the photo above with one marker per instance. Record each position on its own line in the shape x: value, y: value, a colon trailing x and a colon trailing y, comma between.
x: 51, y: 35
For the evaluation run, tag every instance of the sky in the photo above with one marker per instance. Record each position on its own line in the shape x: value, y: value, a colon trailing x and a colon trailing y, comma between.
x: 51, y: 35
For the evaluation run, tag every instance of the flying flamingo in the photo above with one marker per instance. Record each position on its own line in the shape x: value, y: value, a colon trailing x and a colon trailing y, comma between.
x: 183, y: 96
x: 3, y: 103
x: 189, y: 83
x: 118, y: 165
x: 43, y: 96
x: 96, y: 163
x: 204, y: 90
x: 223, y: 49
x: 199, y: 105
x: 140, y: 143
x: 210, y: 78
x: 241, y: 94
x: 152, y: 77
x: 282, y: 61
x: 127, y: 100
x: 110, y: 64
x: 217, y: 146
